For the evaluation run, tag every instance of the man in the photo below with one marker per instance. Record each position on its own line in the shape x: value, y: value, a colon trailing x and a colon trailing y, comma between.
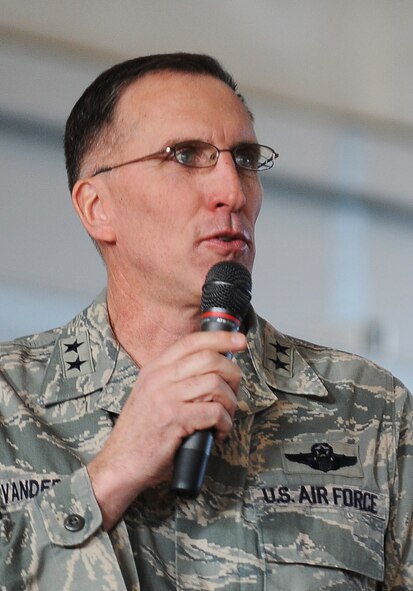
x: 309, y: 484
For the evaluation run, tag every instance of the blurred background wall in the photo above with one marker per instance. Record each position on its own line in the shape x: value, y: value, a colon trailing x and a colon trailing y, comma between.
x: 331, y: 86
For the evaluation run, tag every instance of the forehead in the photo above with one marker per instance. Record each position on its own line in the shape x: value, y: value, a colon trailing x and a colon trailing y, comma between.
x: 179, y: 103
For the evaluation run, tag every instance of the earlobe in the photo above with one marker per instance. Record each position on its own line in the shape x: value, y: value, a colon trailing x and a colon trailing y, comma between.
x: 92, y: 210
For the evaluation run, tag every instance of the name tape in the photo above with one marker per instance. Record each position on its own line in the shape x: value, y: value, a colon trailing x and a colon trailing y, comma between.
x: 17, y: 490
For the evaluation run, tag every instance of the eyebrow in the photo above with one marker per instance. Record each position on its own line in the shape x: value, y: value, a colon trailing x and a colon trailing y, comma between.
x: 178, y: 140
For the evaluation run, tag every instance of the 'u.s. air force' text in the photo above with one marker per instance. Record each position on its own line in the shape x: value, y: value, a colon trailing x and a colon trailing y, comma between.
x: 314, y: 495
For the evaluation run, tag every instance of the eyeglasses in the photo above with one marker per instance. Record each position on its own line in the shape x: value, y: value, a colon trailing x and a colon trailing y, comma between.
x: 197, y: 154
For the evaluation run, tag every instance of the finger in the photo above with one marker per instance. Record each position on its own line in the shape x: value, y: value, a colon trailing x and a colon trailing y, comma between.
x: 219, y: 341
x: 206, y: 362
x: 208, y: 415
x: 203, y: 374
x: 209, y: 388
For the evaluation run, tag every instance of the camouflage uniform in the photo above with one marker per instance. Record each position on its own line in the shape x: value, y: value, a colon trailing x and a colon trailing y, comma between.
x: 313, y: 489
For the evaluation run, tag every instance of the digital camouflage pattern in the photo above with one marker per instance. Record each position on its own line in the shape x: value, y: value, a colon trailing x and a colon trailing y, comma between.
x: 313, y: 489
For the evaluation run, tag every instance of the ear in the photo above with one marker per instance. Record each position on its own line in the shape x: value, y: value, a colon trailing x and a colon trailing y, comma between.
x: 92, y: 210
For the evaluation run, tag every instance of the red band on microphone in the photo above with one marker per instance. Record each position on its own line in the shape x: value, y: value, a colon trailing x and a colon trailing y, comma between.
x: 212, y: 314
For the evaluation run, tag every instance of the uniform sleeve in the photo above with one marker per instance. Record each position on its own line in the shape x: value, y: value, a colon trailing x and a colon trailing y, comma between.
x: 399, y: 538
x: 56, y: 541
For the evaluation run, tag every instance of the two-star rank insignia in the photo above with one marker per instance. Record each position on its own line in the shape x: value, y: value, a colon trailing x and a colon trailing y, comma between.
x: 76, y: 355
x: 279, y: 357
x: 323, y: 458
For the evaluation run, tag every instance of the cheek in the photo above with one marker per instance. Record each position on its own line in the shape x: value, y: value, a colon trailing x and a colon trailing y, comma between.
x: 253, y: 191
x: 154, y: 216
x: 257, y: 209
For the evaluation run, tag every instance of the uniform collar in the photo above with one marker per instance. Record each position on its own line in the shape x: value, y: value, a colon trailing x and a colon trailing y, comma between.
x: 84, y: 357
x: 87, y: 357
x: 273, y: 363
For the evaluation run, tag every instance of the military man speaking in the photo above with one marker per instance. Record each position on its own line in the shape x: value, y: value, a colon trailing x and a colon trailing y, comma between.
x: 309, y: 484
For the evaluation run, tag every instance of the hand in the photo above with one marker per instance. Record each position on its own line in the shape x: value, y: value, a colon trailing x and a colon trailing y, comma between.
x: 189, y: 387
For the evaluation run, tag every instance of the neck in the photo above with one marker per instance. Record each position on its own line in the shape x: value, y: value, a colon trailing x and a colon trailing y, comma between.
x: 145, y: 326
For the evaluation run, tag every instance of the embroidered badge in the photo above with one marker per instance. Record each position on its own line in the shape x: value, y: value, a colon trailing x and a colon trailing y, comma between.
x: 278, y: 357
x: 17, y: 490
x: 322, y: 457
x: 305, y: 497
x: 76, y: 355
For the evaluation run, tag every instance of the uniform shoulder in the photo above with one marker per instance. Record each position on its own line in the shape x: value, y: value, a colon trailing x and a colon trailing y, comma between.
x: 38, y: 344
x: 29, y: 344
x: 334, y: 364
x: 318, y: 352
x: 23, y: 361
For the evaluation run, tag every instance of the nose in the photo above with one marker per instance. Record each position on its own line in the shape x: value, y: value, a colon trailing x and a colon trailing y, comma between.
x: 226, y: 187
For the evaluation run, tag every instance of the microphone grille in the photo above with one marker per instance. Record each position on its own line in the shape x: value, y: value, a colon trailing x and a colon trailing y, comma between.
x: 227, y: 286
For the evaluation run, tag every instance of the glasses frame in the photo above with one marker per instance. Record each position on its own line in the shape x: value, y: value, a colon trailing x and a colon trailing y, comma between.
x: 170, y: 152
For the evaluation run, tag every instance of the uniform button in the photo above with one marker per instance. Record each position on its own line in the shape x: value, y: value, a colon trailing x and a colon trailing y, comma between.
x: 74, y: 522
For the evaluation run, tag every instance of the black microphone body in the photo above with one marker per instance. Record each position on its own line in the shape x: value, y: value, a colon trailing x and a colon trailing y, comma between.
x: 225, y: 299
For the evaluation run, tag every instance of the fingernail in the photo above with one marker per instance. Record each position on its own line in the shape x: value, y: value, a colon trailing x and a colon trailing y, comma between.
x: 238, y: 338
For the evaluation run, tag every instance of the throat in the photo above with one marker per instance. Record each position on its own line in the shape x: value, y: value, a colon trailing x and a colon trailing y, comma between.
x: 146, y: 332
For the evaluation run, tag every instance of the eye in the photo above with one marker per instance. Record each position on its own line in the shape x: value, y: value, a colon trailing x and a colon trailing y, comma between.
x: 248, y: 156
x: 192, y: 154
x: 186, y: 155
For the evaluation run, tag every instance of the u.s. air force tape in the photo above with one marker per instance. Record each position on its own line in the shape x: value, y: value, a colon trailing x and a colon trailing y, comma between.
x: 326, y: 496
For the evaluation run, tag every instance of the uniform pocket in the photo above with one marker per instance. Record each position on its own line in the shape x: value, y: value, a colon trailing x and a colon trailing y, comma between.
x: 332, y: 526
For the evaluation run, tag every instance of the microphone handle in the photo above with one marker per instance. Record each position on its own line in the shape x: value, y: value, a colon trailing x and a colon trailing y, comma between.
x: 191, y: 460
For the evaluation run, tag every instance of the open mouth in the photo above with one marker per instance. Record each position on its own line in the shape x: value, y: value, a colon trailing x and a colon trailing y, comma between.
x: 231, y: 237
x: 228, y: 242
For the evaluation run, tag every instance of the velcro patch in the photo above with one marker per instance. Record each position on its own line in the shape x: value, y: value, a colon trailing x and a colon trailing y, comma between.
x: 76, y: 355
x: 327, y: 496
x: 322, y: 457
x: 278, y: 357
x: 21, y: 489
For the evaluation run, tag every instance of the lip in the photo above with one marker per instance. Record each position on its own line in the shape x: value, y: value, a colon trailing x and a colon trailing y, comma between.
x: 227, y: 241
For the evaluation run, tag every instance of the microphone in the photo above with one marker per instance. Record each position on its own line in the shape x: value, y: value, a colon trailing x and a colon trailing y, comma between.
x: 226, y: 295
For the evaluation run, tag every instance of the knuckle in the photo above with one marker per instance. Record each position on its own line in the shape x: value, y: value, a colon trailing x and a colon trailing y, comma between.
x: 219, y: 412
x: 233, y: 404
x: 208, y: 357
x: 189, y: 341
x: 215, y: 382
x: 237, y: 370
x: 225, y: 424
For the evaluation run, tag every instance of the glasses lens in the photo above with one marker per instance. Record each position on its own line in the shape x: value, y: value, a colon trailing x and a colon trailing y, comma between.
x: 254, y: 156
x: 196, y: 154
